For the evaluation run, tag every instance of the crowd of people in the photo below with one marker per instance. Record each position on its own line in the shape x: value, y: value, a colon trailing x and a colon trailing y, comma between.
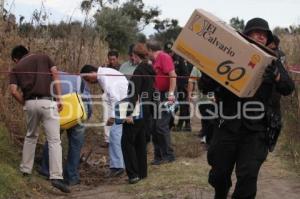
x: 160, y: 83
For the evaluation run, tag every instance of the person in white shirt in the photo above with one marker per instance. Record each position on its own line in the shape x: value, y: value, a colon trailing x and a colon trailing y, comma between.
x: 114, y: 85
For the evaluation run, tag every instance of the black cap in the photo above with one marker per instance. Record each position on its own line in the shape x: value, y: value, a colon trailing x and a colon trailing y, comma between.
x: 258, y: 24
x: 168, y: 46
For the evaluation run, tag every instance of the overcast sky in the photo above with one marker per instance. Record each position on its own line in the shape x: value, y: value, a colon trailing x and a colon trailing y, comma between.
x: 278, y: 12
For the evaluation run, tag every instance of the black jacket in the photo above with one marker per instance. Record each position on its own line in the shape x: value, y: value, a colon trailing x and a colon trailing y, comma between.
x: 142, y: 87
x: 268, y: 94
x: 181, y: 69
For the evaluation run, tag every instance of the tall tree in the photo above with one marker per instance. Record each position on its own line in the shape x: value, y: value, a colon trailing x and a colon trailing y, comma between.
x: 238, y: 24
x: 167, y: 30
x: 119, y: 23
x: 136, y: 10
x: 117, y: 29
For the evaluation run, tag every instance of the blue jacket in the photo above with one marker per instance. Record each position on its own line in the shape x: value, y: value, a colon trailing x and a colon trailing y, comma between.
x: 74, y: 83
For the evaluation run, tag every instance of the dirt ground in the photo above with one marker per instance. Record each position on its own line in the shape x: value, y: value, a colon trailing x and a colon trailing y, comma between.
x: 276, y: 181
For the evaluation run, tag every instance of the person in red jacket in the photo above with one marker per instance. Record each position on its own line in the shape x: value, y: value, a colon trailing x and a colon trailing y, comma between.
x: 165, y: 84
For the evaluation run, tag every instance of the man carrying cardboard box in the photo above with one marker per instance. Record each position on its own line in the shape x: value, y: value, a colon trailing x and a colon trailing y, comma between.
x: 222, y: 53
x: 165, y: 84
x: 245, y: 129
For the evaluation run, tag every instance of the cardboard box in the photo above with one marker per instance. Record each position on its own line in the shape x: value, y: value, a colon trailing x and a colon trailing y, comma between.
x: 222, y: 53
x: 73, y: 111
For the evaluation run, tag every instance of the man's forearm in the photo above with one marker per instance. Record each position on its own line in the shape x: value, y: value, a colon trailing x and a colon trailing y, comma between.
x: 56, y: 80
x: 19, y: 97
x: 172, y: 82
x: 55, y: 77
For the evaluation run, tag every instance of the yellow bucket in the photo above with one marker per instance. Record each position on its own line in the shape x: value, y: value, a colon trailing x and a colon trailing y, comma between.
x: 73, y: 111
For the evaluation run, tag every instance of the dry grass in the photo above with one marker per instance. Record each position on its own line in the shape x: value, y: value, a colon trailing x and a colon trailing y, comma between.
x: 289, y: 141
x: 289, y: 147
x: 69, y: 54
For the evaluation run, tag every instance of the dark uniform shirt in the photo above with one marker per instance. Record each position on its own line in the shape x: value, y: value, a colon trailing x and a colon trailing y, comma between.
x: 143, y: 88
x: 232, y: 105
x: 181, y: 70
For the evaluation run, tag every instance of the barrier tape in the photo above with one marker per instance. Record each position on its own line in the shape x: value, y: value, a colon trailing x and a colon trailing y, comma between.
x: 86, y: 74
x: 117, y: 75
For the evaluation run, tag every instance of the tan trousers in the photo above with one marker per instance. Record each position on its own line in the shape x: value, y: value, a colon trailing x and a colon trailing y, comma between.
x: 44, y: 111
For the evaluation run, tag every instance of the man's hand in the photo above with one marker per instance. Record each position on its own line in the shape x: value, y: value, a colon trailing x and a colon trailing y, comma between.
x: 59, y: 104
x: 171, y: 97
x: 16, y: 94
x: 172, y: 86
x: 129, y: 120
x: 272, y: 71
x: 190, y: 96
x: 110, y: 121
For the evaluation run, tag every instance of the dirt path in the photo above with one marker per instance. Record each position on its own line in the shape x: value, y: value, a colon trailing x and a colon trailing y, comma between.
x: 275, y: 180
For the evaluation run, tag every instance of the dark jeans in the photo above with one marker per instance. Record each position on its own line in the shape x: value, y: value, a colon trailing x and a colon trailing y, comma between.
x: 134, y: 150
x: 161, y: 138
x: 76, y: 140
x: 246, y: 150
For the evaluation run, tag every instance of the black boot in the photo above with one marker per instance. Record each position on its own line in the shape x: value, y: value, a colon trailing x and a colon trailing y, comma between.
x: 59, y: 184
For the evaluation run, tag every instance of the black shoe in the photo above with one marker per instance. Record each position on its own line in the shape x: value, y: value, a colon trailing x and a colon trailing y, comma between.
x: 72, y: 183
x: 114, y: 172
x: 156, y: 162
x: 168, y: 160
x: 42, y: 173
x: 25, y: 174
x: 59, y: 184
x: 187, y: 128
x: 178, y: 128
x: 133, y: 180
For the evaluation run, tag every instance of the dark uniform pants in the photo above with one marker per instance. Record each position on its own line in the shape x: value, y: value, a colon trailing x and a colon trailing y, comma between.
x: 246, y: 150
x: 161, y: 136
x: 184, y: 108
x: 207, y: 124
